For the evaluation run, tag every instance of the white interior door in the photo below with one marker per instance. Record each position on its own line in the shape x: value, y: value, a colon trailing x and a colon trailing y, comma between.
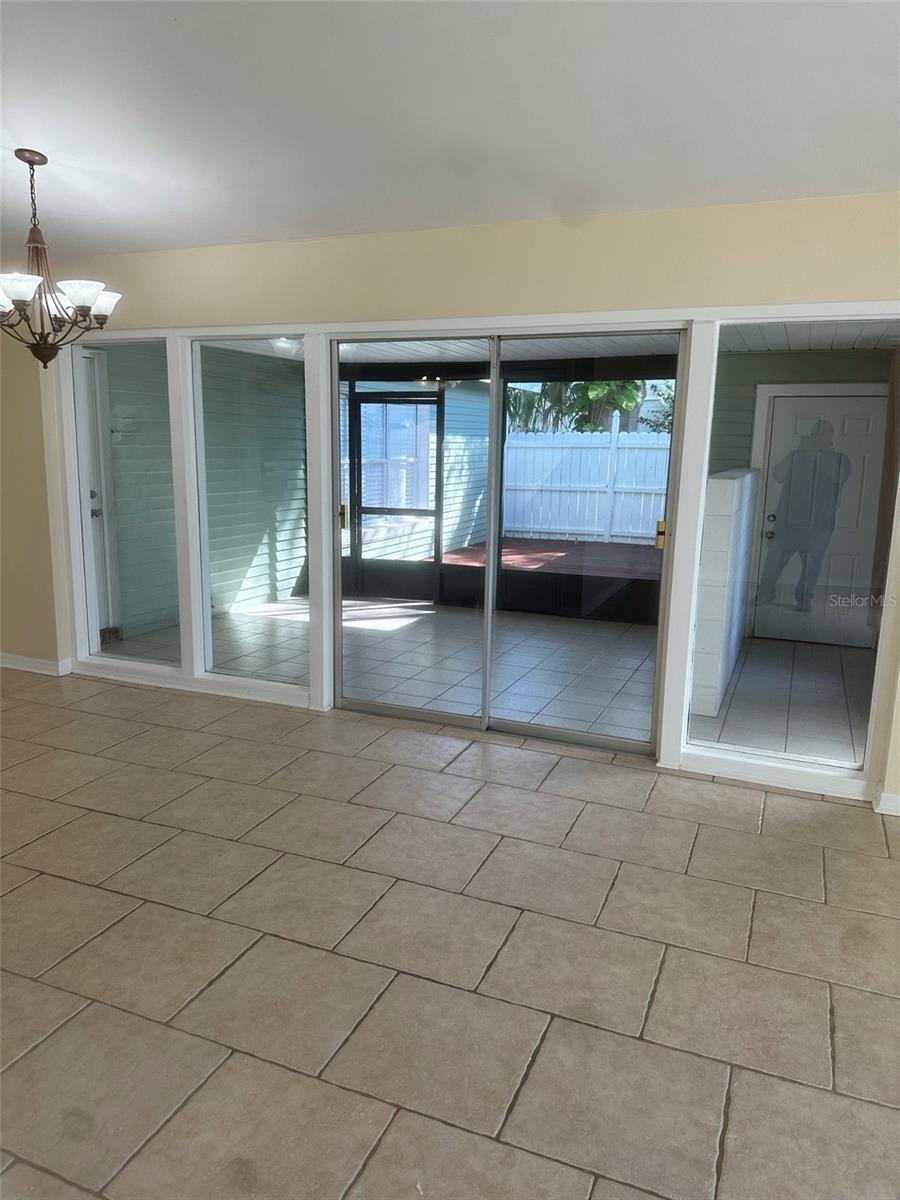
x: 822, y: 480
x: 94, y: 468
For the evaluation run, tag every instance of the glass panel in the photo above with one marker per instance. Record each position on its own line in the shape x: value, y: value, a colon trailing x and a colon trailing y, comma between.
x: 587, y: 425
x: 125, y: 472
x: 413, y: 582
x: 254, y: 461
x: 799, y: 508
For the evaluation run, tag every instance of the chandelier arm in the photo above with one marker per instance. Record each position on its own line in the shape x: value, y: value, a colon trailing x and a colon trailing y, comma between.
x: 13, y: 334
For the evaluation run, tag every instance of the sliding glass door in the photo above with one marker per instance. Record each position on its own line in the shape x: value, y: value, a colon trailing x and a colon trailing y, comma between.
x: 576, y: 504
x: 413, y: 434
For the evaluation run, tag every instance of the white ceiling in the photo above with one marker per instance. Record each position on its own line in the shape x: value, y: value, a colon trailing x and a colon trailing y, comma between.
x: 737, y: 339
x: 194, y: 123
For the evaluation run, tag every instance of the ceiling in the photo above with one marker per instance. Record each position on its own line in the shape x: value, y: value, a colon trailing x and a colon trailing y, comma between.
x: 736, y: 339
x: 191, y: 123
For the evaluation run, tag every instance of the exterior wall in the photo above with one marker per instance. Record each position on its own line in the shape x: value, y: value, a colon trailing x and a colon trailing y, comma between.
x: 465, y: 465
x: 737, y: 378
x: 27, y: 620
x: 254, y: 433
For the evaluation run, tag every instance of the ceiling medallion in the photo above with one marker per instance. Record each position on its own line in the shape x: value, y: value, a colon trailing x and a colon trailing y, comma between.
x: 40, y: 313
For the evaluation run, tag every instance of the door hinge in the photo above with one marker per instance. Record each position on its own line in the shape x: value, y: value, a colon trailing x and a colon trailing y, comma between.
x: 660, y: 534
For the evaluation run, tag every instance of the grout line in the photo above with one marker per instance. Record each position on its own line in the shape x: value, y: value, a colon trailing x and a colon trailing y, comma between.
x: 368, y: 1156
x: 832, y: 1037
x: 498, y: 951
x: 55, y: 1029
x: 517, y: 1091
x: 206, y: 986
x: 36, y: 1166
x: 752, y: 918
x: 651, y: 996
x: 606, y: 896
x: 320, y: 1073
x: 723, y: 1133
x: 171, y: 1117
x: 687, y: 863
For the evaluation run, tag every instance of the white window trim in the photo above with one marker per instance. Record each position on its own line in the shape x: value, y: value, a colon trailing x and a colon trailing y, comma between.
x: 687, y: 496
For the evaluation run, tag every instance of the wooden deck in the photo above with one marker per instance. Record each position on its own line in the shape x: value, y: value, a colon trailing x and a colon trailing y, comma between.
x: 607, y: 560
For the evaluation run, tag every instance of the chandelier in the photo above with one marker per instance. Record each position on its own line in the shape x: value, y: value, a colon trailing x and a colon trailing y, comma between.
x: 38, y: 312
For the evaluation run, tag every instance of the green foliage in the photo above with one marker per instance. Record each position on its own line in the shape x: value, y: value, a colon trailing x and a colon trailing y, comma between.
x: 578, y: 407
x: 661, y: 421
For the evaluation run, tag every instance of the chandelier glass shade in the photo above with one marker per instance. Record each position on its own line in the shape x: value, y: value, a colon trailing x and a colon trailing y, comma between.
x: 38, y: 312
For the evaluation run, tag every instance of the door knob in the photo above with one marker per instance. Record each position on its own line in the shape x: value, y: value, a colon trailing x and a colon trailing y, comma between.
x: 96, y: 512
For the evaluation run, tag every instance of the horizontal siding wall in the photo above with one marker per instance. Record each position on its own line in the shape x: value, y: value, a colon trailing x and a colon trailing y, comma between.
x: 737, y: 378
x: 254, y: 432
x: 466, y: 419
x: 144, y: 511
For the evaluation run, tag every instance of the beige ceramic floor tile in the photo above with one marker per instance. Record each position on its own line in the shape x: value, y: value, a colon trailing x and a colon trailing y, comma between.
x: 695, y: 913
x: 288, y: 1003
x: 419, y: 1157
x: 428, y: 751
x: 635, y: 837
x: 221, y: 808
x: 238, y: 1137
x: 163, y: 747
x: 46, y: 919
x: 599, y: 783
x: 446, y: 1053
x: 560, y: 883
x: 516, y: 812
x: 90, y: 734
x: 432, y: 933
x: 892, y: 833
x: 133, y: 791
x: 241, y: 760
x: 867, y: 1048
x: 767, y: 1020
x: 260, y: 722
x: 12, y: 877
x: 830, y: 943
x: 332, y: 776
x: 92, y: 847
x: 25, y: 818
x: 772, y: 864
x: 27, y: 720
x: 588, y: 974
x: 490, y: 735
x: 568, y: 750
x: 22, y: 1182
x: 304, y: 899
x: 795, y: 1142
x: 192, y: 871
x: 54, y: 774
x: 123, y: 701
x: 59, y: 691
x: 31, y: 1010
x: 13, y: 752
x: 334, y: 735
x: 192, y: 712
x: 656, y: 1126
x: 86, y: 1098
x: 854, y: 881
x: 318, y: 828
x: 426, y: 852
x: 608, y: 1189
x: 840, y: 825
x: 500, y: 764
x: 708, y: 803
x: 419, y: 793
x: 153, y: 961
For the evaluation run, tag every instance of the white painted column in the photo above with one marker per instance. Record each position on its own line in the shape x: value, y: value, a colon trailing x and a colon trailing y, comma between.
x: 321, y: 518
x: 689, y: 462
x: 192, y: 602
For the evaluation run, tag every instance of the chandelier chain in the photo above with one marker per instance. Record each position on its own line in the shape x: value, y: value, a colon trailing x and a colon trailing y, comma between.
x: 34, y: 216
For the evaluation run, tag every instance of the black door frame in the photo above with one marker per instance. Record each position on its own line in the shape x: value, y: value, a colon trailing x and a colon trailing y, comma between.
x: 408, y: 574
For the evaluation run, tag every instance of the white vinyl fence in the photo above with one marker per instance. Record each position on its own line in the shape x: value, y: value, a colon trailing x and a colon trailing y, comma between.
x: 599, y: 487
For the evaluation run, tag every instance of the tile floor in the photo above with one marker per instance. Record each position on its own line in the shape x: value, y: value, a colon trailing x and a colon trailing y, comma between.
x: 251, y: 952
x: 798, y: 698
x: 587, y: 676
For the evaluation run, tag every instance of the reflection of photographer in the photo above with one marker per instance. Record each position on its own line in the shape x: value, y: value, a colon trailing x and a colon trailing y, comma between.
x: 811, y: 478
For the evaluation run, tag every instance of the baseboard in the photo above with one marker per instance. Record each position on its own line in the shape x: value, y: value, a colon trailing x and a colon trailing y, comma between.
x: 42, y: 666
x: 889, y: 804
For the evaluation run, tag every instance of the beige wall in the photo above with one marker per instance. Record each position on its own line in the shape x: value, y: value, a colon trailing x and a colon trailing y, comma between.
x: 840, y: 249
x: 27, y: 623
